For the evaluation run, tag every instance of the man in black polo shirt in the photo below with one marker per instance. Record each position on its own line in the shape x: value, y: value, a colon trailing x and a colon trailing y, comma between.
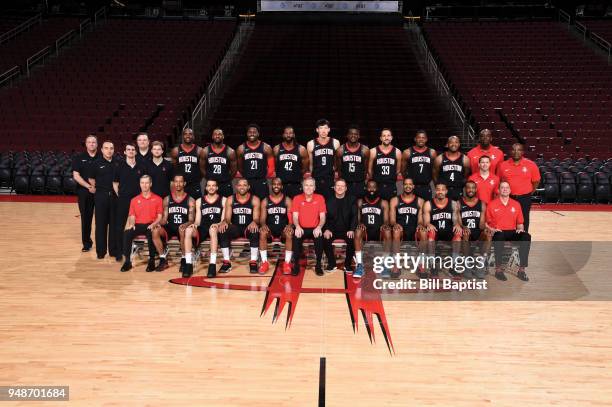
x: 160, y: 170
x: 82, y: 165
x: 126, y: 185
x: 340, y: 223
x: 101, y: 177
x: 143, y: 153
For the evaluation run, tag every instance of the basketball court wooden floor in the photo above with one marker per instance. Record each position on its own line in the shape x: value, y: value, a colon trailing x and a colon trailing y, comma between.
x: 134, y: 339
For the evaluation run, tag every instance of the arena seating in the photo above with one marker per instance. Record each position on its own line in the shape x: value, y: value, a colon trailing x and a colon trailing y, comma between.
x: 8, y: 22
x: 554, y: 93
x: 127, y: 76
x: 18, y: 50
x: 296, y: 74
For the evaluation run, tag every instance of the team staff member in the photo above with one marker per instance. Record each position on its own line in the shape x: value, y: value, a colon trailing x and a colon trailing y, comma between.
x: 417, y: 162
x: 220, y: 162
x: 160, y: 170
x: 126, y: 185
x: 255, y: 162
x: 292, y: 162
x: 487, y: 184
x: 384, y: 165
x: 352, y: 159
x: 483, y: 148
x: 340, y: 223
x: 523, y: 176
x: 82, y: 167
x: 308, y: 211
x: 188, y: 159
x: 452, y: 168
x: 322, y: 152
x: 144, y: 152
x: 505, y: 221
x: 144, y: 216
x: 102, y: 176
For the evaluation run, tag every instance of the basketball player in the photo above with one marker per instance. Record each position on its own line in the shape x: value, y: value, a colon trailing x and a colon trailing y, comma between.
x: 179, y: 214
x: 82, y: 167
x: 209, y: 213
x: 452, y: 168
x: 255, y: 162
x: 384, y: 165
x: 144, y: 152
x: 484, y: 147
x: 101, y: 178
x: 487, y: 184
x: 417, y: 163
x: 241, y: 220
x: 442, y: 221
x: 405, y: 218
x: 220, y: 162
x: 351, y: 160
x: 322, y: 152
x: 188, y: 159
x: 126, y: 185
x: 472, y: 211
x: 373, y: 214
x: 292, y: 162
x: 160, y: 170
x: 274, y: 220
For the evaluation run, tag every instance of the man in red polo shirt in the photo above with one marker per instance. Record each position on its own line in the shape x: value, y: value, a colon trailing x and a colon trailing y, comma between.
x: 485, y: 147
x: 504, y: 220
x: 523, y: 175
x: 308, y: 213
x: 487, y: 184
x: 144, y: 215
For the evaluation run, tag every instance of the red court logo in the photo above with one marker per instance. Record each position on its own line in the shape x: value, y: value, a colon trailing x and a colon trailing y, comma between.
x: 286, y: 290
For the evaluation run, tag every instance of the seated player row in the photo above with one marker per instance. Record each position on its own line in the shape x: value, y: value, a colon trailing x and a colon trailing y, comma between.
x: 309, y: 215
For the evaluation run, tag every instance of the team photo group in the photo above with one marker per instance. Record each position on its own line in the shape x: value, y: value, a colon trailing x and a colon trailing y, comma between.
x: 325, y: 191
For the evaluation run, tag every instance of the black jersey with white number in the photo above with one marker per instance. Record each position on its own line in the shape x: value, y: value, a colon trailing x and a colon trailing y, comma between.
x: 442, y: 217
x: 353, y: 165
x: 217, y: 165
x: 211, y: 211
x: 289, y: 164
x: 419, y: 166
x: 276, y: 213
x: 178, y: 211
x: 385, y: 166
x: 242, y: 212
x: 470, y: 215
x: 188, y: 163
x: 407, y: 212
x: 452, y: 172
x: 255, y: 162
x: 372, y: 215
x: 323, y: 159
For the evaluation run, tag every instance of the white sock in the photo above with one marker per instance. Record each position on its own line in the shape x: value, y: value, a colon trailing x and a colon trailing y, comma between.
x: 225, y: 251
x: 264, y: 255
x: 162, y: 256
x: 188, y: 258
x: 288, y: 255
x: 358, y: 257
x: 254, y: 253
x: 183, y: 256
x: 213, y: 258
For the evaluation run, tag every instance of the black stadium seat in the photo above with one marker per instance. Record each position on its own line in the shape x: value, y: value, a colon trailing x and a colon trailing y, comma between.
x: 602, y: 187
x: 551, y: 187
x: 568, y: 187
x: 585, y: 190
